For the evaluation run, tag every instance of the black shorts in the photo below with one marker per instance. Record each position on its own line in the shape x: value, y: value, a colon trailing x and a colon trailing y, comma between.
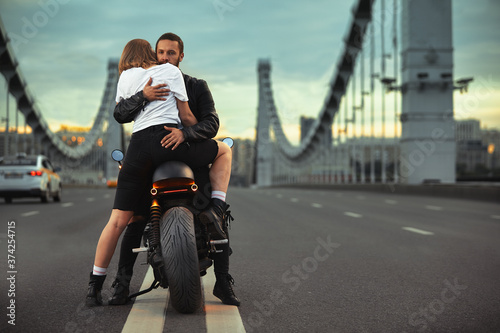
x: 145, y: 153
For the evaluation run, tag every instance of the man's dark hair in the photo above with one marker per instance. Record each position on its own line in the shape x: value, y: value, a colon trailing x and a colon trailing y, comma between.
x: 173, y: 37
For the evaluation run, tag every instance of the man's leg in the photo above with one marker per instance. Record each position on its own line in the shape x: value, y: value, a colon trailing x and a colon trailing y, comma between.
x: 223, y: 286
x: 220, y: 173
x: 131, y: 239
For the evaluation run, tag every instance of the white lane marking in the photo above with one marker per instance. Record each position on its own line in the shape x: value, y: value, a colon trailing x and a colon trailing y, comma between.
x: 391, y: 202
x: 418, y: 231
x: 353, y: 215
x: 219, y: 317
x: 148, y: 312
x: 429, y: 207
x: 316, y: 205
x: 90, y: 199
x: 67, y: 204
x: 496, y: 217
x: 34, y: 212
x: 294, y: 200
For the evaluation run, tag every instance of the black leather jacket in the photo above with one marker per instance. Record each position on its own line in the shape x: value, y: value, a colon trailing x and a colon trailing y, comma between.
x: 200, y: 102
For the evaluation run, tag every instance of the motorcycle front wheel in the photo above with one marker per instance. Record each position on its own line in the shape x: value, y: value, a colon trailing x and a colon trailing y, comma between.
x: 180, y: 256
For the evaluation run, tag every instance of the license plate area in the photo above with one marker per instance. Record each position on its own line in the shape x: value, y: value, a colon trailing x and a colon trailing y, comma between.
x: 13, y: 175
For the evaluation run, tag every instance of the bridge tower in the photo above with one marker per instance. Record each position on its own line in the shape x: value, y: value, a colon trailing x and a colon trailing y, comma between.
x: 114, y: 133
x: 263, y: 141
x: 427, y: 139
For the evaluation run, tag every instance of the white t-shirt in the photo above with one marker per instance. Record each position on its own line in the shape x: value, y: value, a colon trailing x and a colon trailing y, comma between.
x: 134, y: 79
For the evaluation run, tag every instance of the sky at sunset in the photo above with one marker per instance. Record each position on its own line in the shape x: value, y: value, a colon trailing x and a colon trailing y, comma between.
x: 63, y: 47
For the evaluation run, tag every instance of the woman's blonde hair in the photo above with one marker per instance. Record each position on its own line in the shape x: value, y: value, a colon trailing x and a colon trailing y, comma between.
x: 137, y: 53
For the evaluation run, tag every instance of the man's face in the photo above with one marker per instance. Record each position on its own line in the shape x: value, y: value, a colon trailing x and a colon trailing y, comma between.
x: 168, y: 51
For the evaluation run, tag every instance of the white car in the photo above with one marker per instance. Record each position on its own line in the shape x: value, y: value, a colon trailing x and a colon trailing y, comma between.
x: 29, y: 176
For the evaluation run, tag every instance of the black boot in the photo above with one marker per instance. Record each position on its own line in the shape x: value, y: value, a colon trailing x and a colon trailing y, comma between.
x: 121, y: 285
x: 94, y: 293
x: 223, y: 289
x: 131, y: 239
x: 214, y: 218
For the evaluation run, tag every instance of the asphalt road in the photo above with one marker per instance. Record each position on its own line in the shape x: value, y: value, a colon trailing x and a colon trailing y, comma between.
x: 303, y: 261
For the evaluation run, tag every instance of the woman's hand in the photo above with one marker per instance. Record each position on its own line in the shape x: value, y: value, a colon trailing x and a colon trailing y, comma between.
x: 174, y: 138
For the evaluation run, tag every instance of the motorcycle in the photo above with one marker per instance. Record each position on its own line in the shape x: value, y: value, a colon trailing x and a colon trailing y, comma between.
x: 177, y: 244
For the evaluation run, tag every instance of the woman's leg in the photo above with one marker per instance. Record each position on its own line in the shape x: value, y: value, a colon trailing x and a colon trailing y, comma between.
x: 131, y: 239
x: 109, y: 237
x: 104, y: 252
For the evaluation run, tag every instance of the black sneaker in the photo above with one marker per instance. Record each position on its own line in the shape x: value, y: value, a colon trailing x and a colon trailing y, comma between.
x: 214, y: 218
x: 223, y: 290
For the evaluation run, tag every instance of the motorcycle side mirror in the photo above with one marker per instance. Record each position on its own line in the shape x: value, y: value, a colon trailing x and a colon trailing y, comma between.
x: 117, y: 155
x: 229, y: 142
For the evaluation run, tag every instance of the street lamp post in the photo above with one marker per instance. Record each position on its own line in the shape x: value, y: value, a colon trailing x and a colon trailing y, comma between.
x: 6, y: 134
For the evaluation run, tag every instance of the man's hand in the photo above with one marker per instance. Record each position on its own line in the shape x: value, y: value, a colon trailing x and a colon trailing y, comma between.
x: 154, y: 93
x: 174, y: 138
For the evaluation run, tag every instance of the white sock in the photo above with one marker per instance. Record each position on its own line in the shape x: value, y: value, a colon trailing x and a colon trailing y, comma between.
x: 219, y: 195
x: 99, y: 270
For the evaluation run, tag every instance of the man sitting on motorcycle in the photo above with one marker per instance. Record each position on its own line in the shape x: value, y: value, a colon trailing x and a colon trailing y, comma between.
x: 170, y: 48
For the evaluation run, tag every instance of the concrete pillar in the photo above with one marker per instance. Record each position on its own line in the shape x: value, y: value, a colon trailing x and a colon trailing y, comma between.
x: 428, y: 137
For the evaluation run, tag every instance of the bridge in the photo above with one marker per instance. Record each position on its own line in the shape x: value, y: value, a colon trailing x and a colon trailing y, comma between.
x: 341, y: 148
x: 304, y: 260
x: 353, y: 140
x: 89, y: 155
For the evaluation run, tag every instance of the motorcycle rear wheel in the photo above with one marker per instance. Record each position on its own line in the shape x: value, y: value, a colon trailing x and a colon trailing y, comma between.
x: 180, y: 256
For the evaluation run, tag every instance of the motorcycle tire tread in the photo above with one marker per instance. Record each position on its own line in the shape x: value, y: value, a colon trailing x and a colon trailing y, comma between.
x: 180, y: 255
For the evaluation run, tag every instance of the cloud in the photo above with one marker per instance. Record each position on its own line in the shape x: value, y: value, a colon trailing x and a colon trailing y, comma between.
x: 65, y: 62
